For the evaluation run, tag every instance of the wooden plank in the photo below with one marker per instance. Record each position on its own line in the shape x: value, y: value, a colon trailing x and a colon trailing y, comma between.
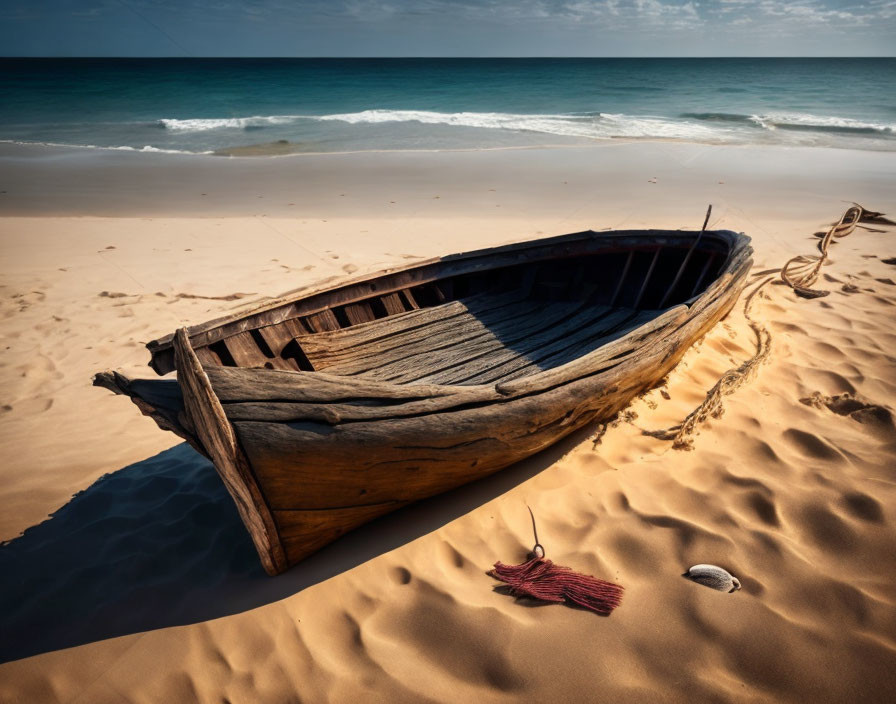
x: 392, y: 337
x: 306, y: 531
x: 514, y: 362
x: 244, y: 350
x: 565, y: 351
x: 424, y: 351
x: 288, y: 364
x: 519, y: 334
x: 375, y: 331
x: 217, y: 436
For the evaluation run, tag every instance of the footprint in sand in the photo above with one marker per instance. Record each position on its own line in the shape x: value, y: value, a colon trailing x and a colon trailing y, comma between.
x: 875, y: 417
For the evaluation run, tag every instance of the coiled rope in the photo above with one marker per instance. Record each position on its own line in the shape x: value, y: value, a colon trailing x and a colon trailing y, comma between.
x: 802, y: 271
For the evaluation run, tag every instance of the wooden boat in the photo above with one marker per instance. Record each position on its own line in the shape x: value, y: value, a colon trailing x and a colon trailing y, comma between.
x: 336, y: 404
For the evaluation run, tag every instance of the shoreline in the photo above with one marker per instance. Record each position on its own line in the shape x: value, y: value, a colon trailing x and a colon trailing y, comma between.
x: 51, y: 182
x: 10, y: 145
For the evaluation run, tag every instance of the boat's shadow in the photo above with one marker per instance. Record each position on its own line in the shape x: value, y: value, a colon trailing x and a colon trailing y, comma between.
x: 159, y: 544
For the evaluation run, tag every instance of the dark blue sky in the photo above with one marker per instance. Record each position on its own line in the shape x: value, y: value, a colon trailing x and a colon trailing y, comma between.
x: 447, y: 28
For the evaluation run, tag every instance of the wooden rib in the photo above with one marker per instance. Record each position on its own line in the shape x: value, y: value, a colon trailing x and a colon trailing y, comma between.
x: 446, y: 288
x: 647, y: 276
x: 703, y: 273
x: 244, y: 350
x: 276, y: 337
x: 208, y: 356
x: 323, y: 321
x: 217, y: 436
x: 409, y: 298
x: 392, y: 303
x: 625, y: 269
x: 439, y: 293
x: 359, y: 313
x: 297, y: 327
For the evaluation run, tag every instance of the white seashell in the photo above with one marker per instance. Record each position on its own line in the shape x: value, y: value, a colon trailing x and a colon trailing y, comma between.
x: 713, y: 577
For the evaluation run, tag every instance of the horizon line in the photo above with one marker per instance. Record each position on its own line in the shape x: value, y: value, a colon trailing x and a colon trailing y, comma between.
x: 362, y: 58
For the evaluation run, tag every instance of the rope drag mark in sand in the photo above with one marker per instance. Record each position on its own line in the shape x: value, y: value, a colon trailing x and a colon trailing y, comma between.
x: 799, y: 273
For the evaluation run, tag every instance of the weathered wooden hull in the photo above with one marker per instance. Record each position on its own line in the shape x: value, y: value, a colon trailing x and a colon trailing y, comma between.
x: 310, y: 455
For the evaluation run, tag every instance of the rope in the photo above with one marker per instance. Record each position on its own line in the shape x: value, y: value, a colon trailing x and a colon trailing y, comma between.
x: 802, y: 271
x: 682, y: 434
x: 799, y: 273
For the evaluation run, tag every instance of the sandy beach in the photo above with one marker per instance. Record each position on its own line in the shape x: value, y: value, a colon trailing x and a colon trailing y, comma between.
x: 128, y: 577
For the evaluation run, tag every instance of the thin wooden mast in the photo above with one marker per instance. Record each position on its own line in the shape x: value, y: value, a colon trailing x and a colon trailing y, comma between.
x: 687, y: 258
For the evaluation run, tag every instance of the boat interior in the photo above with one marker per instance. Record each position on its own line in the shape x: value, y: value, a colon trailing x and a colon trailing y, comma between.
x: 479, y: 327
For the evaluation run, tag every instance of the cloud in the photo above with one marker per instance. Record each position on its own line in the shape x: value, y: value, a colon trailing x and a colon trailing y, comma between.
x: 513, y: 27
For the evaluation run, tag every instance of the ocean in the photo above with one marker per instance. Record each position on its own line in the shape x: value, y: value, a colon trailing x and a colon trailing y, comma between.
x: 276, y: 106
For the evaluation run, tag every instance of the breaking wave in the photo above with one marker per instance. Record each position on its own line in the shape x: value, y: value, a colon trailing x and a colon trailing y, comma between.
x: 215, y: 123
x: 699, y: 126
x: 796, y: 121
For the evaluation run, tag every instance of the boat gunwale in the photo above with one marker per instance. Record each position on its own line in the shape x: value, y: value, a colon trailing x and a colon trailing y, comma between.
x: 224, y: 327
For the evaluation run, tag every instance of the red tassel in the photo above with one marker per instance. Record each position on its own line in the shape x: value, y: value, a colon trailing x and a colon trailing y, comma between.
x: 542, y: 579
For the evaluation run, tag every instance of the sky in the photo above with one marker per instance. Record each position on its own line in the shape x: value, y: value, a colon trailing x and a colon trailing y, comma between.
x: 447, y: 28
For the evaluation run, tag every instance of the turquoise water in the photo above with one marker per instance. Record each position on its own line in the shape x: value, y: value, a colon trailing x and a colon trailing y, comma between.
x: 202, y: 105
